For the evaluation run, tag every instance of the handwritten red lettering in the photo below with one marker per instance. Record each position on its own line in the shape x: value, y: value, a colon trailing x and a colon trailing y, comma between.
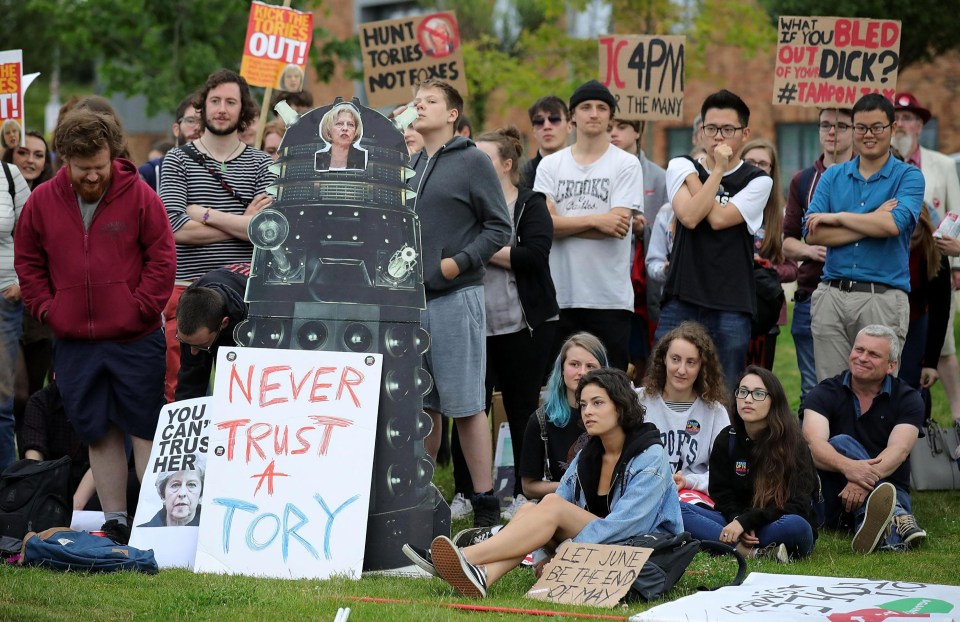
x: 317, y: 385
x: 349, y: 384
x: 304, y: 443
x: 268, y: 474
x: 613, y: 53
x: 265, y: 387
x: 329, y: 423
x: 254, y: 435
x: 232, y: 425
x: 235, y: 377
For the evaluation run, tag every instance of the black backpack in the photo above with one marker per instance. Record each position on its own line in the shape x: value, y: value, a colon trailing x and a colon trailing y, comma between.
x: 34, y: 496
x: 669, y: 560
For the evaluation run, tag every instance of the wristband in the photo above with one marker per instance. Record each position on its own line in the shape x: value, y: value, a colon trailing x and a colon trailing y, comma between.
x: 206, y: 217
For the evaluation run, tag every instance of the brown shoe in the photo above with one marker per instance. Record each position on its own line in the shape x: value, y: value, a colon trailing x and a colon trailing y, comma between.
x: 876, y: 519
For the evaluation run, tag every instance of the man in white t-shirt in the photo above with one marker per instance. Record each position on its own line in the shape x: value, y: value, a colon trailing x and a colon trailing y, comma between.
x: 718, y: 203
x: 593, y: 190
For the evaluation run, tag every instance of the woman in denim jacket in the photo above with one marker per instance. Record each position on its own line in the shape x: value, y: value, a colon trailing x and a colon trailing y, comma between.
x: 619, y: 485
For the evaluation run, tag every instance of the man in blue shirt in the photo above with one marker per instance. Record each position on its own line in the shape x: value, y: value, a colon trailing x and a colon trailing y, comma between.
x: 864, y: 211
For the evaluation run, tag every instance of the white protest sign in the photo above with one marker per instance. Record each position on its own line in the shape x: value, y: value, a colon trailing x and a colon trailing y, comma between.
x: 799, y: 598
x: 291, y: 456
x: 171, y: 495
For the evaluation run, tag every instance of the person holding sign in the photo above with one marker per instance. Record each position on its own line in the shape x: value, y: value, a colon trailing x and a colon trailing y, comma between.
x: 618, y: 486
x: 762, y: 477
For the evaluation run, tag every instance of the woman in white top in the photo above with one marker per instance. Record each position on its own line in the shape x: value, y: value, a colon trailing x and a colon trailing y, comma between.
x: 683, y: 392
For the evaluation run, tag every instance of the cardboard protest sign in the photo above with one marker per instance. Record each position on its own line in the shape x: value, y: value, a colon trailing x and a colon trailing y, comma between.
x: 11, y: 98
x: 798, y: 598
x: 834, y: 61
x: 288, y: 475
x: 171, y: 494
x: 645, y: 74
x: 400, y: 53
x: 589, y: 574
x: 275, y: 50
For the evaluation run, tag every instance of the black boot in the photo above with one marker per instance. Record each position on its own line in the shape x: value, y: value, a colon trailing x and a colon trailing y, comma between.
x: 486, y: 510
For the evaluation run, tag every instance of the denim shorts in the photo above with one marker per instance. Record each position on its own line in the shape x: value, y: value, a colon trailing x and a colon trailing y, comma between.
x: 457, y: 358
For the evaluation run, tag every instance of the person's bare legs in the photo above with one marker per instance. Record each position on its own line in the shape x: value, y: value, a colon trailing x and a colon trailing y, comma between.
x: 476, y: 443
x: 108, y: 460
x: 949, y: 372
x: 431, y: 443
x: 141, y: 455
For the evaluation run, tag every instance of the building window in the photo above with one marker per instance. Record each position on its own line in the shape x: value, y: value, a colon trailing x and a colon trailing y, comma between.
x: 798, y: 145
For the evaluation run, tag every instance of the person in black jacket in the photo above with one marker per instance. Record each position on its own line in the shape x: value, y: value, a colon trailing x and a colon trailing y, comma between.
x: 207, y: 313
x: 762, y: 477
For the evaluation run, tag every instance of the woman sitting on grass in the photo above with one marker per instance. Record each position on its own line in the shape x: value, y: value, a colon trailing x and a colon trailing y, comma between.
x: 618, y: 486
x: 762, y: 477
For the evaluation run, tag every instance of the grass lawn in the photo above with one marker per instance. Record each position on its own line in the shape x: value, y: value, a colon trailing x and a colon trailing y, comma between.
x: 34, y: 594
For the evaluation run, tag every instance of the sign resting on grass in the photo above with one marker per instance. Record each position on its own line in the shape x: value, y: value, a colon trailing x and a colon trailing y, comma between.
x: 645, y: 74
x: 171, y: 499
x: 290, y: 461
x: 275, y: 50
x: 834, y: 61
x: 398, y: 54
x: 589, y: 574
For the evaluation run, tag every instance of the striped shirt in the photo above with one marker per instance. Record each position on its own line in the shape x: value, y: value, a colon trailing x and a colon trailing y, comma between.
x: 10, y: 209
x: 184, y: 182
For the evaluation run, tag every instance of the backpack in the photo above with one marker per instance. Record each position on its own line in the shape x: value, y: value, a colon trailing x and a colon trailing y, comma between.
x: 770, y: 299
x: 65, y: 549
x: 669, y: 560
x: 11, y: 186
x: 34, y: 495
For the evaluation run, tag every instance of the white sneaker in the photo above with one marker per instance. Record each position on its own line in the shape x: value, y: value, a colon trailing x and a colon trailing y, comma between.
x: 460, y: 507
x: 515, y: 505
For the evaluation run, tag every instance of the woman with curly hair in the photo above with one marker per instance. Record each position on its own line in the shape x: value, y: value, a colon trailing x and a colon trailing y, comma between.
x: 617, y: 487
x: 762, y: 477
x: 683, y: 393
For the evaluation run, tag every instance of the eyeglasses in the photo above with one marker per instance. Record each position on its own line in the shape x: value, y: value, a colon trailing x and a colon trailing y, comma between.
x: 554, y: 119
x: 727, y: 131
x: 876, y: 129
x: 839, y: 128
x: 758, y: 394
x: 207, y: 349
x: 189, y: 120
x: 760, y: 164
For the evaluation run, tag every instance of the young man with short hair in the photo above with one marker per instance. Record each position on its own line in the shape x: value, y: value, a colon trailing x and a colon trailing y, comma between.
x: 718, y: 204
x: 593, y: 190
x: 463, y: 222
x: 551, y: 129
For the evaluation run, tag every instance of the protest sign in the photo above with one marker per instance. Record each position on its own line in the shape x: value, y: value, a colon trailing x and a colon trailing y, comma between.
x: 834, y: 61
x: 275, y: 50
x: 291, y: 455
x: 589, y: 574
x: 645, y: 74
x: 171, y: 494
x: 11, y: 98
x: 400, y: 53
x: 799, y: 598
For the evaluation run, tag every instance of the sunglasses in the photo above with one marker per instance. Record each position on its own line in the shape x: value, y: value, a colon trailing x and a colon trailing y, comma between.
x: 554, y: 119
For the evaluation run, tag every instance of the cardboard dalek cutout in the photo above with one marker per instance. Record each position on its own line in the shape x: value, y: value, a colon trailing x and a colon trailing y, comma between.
x: 336, y: 266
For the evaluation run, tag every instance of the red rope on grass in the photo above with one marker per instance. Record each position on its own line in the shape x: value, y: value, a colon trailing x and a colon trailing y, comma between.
x: 488, y: 609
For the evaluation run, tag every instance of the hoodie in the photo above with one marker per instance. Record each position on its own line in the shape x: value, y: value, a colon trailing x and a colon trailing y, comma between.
x: 108, y: 283
x: 462, y: 213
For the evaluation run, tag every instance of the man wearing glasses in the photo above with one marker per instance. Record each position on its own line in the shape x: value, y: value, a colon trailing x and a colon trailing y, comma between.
x: 718, y: 203
x: 836, y: 141
x: 186, y: 128
x: 207, y: 313
x: 864, y: 211
x: 551, y: 129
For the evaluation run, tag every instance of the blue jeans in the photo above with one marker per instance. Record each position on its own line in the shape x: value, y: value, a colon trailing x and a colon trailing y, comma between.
x: 730, y: 331
x: 803, y: 342
x: 791, y: 530
x: 830, y: 511
x: 11, y: 325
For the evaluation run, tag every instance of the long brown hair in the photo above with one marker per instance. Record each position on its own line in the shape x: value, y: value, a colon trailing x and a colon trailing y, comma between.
x: 709, y: 383
x: 772, y: 246
x: 922, y: 240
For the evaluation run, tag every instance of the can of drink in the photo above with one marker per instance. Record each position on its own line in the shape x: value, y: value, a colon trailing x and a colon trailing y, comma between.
x: 98, y: 533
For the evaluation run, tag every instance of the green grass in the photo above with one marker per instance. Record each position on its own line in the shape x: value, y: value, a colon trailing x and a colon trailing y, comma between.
x: 33, y: 594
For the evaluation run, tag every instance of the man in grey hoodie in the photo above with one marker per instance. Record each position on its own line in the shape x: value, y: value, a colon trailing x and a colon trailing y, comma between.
x: 463, y: 222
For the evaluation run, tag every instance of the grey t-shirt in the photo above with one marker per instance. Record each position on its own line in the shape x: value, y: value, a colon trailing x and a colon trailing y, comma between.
x: 87, y: 210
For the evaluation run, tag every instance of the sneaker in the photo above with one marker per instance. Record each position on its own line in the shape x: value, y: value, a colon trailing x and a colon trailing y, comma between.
x: 909, y: 531
x: 486, y: 510
x: 421, y: 558
x: 116, y: 531
x: 876, y: 519
x: 469, y: 537
x: 460, y: 507
x: 464, y: 577
x: 775, y: 552
x: 509, y: 511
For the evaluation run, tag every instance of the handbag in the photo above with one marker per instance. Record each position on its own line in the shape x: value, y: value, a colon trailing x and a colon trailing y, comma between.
x: 933, y: 465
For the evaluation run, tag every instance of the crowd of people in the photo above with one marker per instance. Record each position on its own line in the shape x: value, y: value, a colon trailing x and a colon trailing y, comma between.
x: 568, y: 270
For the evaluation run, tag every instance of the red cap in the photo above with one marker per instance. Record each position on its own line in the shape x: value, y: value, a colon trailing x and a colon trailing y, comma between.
x: 906, y: 101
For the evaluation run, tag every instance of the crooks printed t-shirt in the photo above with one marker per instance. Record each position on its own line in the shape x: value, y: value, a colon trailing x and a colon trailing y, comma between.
x: 591, y: 274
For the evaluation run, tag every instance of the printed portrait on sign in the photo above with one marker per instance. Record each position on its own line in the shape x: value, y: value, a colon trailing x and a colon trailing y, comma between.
x: 180, y: 493
x: 341, y: 129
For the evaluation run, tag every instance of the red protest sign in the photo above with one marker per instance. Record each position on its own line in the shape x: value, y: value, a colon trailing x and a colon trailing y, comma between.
x: 11, y: 98
x: 275, y: 50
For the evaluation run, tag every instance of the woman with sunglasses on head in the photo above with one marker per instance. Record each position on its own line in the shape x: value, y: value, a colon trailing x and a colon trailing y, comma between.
x: 762, y: 477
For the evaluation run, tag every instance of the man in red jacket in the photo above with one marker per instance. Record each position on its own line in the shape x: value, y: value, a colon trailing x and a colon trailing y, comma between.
x: 96, y: 261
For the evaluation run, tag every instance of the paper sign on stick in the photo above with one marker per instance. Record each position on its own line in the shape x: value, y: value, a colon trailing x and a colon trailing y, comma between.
x: 834, y: 61
x: 11, y: 98
x: 589, y: 574
x: 275, y: 50
x: 400, y: 53
x: 645, y: 74
x: 289, y: 465
x: 171, y: 496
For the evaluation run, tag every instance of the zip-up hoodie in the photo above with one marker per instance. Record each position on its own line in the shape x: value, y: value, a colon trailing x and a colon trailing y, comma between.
x: 462, y: 213
x: 530, y: 258
x: 642, y: 497
x: 110, y: 282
